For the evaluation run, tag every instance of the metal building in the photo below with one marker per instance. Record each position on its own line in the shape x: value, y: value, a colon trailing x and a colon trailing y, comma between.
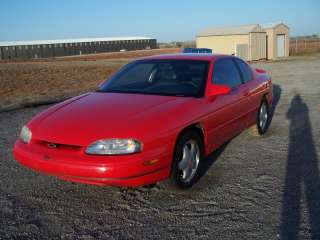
x: 246, y: 41
x: 68, y: 47
x: 277, y: 40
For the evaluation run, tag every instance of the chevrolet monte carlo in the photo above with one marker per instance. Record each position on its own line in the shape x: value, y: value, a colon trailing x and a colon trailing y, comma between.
x: 157, y: 118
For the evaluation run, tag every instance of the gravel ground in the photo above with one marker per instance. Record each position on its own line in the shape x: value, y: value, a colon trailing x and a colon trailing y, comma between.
x: 255, y: 187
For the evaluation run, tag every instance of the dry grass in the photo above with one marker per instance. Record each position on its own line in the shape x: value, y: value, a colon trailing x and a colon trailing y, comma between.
x: 24, y: 83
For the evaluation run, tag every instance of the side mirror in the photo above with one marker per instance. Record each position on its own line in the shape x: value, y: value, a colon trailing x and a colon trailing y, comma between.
x: 218, y: 89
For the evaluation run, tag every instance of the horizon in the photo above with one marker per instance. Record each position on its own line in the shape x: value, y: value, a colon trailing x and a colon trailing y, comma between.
x: 44, y: 20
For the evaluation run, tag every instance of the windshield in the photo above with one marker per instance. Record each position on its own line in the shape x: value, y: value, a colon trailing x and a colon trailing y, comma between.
x: 161, y: 77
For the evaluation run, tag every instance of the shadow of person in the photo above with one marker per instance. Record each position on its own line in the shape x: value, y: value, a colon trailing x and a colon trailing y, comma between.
x: 302, y: 170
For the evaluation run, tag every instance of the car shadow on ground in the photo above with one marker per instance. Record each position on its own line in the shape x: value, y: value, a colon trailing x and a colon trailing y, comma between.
x: 276, y: 98
x: 302, y: 174
x: 211, y: 159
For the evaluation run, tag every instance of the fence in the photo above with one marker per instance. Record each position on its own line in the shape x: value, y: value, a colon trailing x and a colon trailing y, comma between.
x: 304, y: 45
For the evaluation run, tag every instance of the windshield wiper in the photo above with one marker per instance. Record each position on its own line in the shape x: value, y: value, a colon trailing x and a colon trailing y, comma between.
x: 100, y: 90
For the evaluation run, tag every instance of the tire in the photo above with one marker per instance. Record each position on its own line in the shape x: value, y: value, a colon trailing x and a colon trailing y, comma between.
x: 188, y: 159
x: 263, y: 117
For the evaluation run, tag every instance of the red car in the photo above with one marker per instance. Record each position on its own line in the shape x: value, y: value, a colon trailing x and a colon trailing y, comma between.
x: 158, y: 117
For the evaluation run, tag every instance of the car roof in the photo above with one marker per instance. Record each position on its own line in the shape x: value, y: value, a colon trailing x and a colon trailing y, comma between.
x: 186, y: 56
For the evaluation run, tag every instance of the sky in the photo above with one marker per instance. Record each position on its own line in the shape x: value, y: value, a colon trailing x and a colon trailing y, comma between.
x: 165, y: 20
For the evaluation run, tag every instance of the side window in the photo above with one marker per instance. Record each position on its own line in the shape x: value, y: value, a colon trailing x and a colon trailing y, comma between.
x: 245, y: 70
x: 225, y: 72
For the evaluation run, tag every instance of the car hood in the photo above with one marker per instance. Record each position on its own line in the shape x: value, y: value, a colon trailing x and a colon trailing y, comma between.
x: 104, y: 115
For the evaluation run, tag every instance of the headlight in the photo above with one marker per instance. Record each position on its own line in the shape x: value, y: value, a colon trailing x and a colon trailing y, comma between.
x: 25, y: 134
x: 114, y: 147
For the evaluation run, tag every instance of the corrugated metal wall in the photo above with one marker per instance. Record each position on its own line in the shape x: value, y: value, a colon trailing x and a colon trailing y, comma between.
x: 258, y: 46
x: 242, y: 51
x: 68, y: 49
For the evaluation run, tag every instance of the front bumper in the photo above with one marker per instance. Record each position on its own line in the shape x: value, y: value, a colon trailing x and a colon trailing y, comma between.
x: 125, y: 170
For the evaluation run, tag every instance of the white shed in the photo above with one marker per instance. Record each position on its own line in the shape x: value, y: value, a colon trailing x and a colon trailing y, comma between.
x: 245, y: 41
x: 277, y: 40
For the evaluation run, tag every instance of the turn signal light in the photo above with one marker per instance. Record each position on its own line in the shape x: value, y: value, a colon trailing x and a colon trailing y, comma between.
x: 150, y: 162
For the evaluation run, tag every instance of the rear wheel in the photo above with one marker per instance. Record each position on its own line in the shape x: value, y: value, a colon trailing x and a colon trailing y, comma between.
x: 263, y: 118
x: 188, y: 159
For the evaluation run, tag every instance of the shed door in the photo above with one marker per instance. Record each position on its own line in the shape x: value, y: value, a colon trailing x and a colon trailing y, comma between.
x: 242, y: 51
x: 280, y: 45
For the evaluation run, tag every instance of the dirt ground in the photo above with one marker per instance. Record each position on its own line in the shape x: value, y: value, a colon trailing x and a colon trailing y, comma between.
x: 254, y: 188
x: 25, y: 83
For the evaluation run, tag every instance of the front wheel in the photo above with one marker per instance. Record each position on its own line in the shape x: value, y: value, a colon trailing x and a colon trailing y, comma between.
x: 188, y: 159
x: 263, y: 118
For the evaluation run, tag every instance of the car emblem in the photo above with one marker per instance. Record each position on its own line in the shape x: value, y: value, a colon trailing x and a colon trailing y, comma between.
x: 46, y: 157
x: 52, y: 145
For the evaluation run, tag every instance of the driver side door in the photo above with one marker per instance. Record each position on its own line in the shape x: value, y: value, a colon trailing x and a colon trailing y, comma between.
x: 227, y: 112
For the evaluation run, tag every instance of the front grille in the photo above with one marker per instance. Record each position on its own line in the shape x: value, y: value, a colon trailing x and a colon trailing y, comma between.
x: 59, y: 146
